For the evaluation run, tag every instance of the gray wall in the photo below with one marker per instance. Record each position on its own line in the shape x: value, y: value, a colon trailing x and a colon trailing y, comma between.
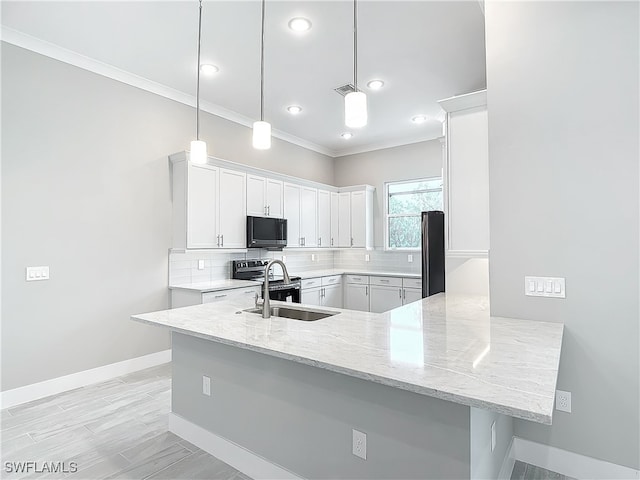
x: 423, y: 159
x: 563, y: 161
x: 268, y: 405
x: 85, y: 190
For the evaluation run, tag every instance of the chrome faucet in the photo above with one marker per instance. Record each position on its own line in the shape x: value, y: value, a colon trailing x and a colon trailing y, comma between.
x: 266, y: 306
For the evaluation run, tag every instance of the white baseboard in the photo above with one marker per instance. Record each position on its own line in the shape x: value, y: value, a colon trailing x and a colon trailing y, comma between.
x: 238, y: 457
x: 569, y: 463
x: 35, y: 391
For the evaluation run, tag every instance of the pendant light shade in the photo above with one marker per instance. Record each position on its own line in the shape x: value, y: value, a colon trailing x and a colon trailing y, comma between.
x: 355, y: 103
x: 261, y: 135
x: 355, y: 110
x: 198, y: 152
x: 262, y: 129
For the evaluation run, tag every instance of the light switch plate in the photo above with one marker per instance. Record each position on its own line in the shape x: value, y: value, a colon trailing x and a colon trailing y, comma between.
x: 409, y: 258
x: 37, y: 273
x: 544, y: 287
x: 200, y: 264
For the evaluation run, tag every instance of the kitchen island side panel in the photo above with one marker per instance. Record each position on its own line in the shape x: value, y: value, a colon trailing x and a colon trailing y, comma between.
x: 301, y: 417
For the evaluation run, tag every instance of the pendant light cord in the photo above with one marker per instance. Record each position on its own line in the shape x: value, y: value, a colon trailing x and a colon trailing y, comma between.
x: 198, y: 76
x: 355, y: 46
x: 262, y: 67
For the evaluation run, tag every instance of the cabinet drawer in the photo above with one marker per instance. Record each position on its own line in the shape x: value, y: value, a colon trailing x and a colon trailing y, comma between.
x: 412, y: 282
x: 333, y: 280
x: 311, y: 282
x: 364, y: 279
x: 210, y: 297
x: 386, y: 281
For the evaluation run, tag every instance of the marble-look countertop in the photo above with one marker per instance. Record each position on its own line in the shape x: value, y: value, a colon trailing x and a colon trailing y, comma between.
x: 226, y: 284
x: 215, y: 285
x: 445, y: 346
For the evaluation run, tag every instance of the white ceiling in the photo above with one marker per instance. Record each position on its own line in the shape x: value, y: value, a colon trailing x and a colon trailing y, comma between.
x: 423, y: 50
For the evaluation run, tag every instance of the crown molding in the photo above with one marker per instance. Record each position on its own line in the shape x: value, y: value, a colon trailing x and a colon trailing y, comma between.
x: 42, y: 47
x: 463, y: 102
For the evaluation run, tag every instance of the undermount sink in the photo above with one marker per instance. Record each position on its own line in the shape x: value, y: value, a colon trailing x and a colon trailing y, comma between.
x: 294, y: 313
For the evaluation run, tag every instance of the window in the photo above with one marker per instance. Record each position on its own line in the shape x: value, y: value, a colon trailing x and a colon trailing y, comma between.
x: 405, y: 202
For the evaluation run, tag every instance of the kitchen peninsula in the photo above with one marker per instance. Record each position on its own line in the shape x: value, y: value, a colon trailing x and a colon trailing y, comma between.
x: 421, y: 381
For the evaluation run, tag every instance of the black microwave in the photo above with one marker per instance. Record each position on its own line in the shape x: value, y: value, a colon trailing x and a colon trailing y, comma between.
x: 266, y: 232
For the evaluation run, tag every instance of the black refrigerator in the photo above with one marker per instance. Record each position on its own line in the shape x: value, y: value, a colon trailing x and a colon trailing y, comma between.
x: 432, y: 228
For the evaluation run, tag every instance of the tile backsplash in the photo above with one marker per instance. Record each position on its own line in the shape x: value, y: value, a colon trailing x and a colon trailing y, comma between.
x: 183, y: 266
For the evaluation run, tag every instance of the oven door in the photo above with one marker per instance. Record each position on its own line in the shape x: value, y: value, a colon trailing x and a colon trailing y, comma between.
x: 289, y: 294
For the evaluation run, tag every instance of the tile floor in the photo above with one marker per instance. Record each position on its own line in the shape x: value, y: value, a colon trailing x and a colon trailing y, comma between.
x: 118, y: 429
x: 114, y: 429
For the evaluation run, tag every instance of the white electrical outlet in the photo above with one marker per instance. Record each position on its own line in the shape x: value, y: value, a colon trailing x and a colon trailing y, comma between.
x: 313, y: 257
x: 493, y: 436
x: 284, y: 258
x: 200, y: 264
x: 366, y: 257
x: 544, y: 287
x: 409, y: 258
x: 206, y: 386
x: 359, y: 448
x: 36, y: 273
x: 563, y: 401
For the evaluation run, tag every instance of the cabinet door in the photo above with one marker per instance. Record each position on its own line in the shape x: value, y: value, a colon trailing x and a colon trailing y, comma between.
x: 385, y: 298
x: 309, y: 216
x: 232, y: 224
x: 256, y: 204
x: 324, y: 218
x: 344, y: 219
x: 335, y: 217
x: 357, y: 297
x: 411, y: 295
x: 202, y: 198
x: 292, y: 213
x: 274, y: 200
x: 332, y: 296
x: 311, y: 296
x: 358, y: 219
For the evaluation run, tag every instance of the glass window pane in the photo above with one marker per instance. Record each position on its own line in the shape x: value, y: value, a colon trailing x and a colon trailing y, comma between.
x: 404, y: 232
x: 415, y: 202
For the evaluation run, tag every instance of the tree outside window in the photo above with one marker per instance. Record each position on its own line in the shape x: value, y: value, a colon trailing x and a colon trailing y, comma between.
x: 405, y: 201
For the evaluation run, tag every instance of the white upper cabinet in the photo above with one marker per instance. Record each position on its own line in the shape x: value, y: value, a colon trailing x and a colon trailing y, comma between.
x: 232, y: 224
x: 324, y: 218
x: 292, y: 214
x: 344, y: 219
x: 209, y: 206
x: 335, y: 218
x: 309, y: 216
x: 466, y: 175
x: 201, y: 186
x: 264, y: 196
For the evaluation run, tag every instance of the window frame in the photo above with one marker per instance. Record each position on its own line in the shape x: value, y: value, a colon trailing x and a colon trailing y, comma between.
x: 387, y: 215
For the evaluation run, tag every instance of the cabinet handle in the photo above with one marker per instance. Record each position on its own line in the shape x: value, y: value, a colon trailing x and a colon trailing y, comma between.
x: 264, y: 209
x: 268, y: 209
x: 220, y: 296
x: 404, y: 294
x: 222, y: 240
x: 352, y: 241
x: 217, y: 240
x: 249, y: 291
x: 322, y: 292
x: 319, y: 241
x: 366, y: 291
x: 400, y: 293
x: 332, y: 241
x: 384, y: 281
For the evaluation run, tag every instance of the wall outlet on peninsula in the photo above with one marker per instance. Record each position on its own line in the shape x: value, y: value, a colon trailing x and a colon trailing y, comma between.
x: 359, y: 448
x: 563, y: 401
x: 206, y: 386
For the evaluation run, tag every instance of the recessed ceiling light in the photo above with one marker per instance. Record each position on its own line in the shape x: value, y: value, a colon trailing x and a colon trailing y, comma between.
x: 419, y: 119
x: 299, y: 24
x: 347, y: 135
x: 208, y: 69
x: 375, y: 84
x: 294, y: 109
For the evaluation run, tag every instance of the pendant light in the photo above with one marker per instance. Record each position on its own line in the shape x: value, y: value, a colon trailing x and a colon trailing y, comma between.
x: 355, y: 103
x: 262, y: 129
x: 198, y: 152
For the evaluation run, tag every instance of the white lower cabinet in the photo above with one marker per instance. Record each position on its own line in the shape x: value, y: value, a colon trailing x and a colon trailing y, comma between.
x: 410, y: 295
x: 356, y: 292
x: 391, y: 292
x: 322, y: 291
x: 185, y: 298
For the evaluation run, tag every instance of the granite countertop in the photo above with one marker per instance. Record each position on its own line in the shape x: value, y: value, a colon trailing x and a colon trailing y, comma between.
x: 226, y: 284
x: 445, y: 346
